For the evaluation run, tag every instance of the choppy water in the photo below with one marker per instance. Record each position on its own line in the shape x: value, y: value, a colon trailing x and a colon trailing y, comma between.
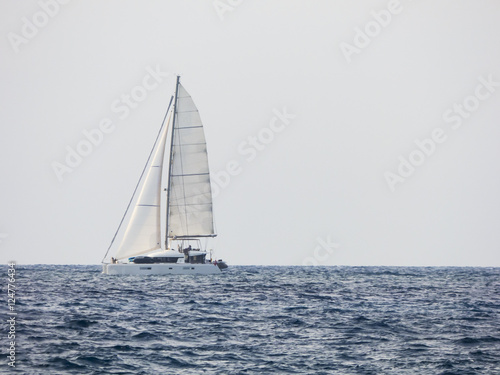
x: 258, y: 320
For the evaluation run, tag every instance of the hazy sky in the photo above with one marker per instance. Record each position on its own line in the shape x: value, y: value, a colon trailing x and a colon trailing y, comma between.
x: 377, y: 125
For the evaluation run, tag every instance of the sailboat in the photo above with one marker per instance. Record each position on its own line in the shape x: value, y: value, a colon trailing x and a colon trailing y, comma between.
x: 145, y: 246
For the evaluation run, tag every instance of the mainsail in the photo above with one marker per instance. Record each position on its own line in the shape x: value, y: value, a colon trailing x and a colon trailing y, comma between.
x: 189, y: 201
x: 143, y: 231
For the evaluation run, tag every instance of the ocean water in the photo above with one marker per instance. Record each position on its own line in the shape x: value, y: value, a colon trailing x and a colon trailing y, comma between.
x: 257, y: 320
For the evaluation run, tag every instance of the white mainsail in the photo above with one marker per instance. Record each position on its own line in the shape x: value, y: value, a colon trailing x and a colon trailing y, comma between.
x: 143, y: 231
x: 189, y: 201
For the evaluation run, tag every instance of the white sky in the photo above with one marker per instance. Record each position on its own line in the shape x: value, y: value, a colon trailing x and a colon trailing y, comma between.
x: 320, y: 180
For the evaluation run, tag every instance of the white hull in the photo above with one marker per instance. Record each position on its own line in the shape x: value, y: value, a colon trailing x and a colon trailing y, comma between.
x: 160, y: 269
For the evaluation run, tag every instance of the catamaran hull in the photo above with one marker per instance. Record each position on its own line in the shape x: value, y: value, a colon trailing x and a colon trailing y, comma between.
x: 160, y: 269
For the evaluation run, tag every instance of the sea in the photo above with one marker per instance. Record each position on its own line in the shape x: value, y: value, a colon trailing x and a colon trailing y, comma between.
x: 255, y: 320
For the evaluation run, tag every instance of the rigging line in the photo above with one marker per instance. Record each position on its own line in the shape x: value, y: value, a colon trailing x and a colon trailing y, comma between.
x: 140, y: 178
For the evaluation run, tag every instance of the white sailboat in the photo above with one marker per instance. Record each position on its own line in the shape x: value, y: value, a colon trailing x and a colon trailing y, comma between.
x: 185, y: 205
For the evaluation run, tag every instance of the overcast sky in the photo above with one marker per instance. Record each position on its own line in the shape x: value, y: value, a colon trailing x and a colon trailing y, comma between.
x: 377, y: 125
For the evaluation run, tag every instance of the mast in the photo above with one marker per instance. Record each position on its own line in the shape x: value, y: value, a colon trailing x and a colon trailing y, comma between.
x: 171, y: 162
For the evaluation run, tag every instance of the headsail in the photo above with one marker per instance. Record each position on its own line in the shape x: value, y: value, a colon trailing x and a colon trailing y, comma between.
x: 190, y: 197
x: 143, y: 231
